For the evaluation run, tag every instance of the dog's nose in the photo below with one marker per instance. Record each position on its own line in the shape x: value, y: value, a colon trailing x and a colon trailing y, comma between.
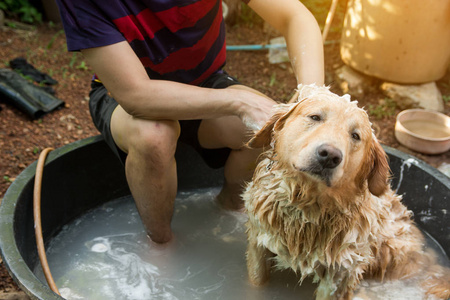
x: 328, y: 156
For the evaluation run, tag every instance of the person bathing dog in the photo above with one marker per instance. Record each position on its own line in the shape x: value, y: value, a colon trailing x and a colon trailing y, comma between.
x: 160, y: 79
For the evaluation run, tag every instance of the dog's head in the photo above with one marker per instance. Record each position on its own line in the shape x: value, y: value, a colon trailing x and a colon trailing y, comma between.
x: 328, y: 138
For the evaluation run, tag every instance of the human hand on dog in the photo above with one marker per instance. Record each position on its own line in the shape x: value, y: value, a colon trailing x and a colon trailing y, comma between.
x: 254, y: 107
x: 258, y: 114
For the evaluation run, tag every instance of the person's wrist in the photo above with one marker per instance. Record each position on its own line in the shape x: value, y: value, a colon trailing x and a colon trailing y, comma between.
x: 236, y: 104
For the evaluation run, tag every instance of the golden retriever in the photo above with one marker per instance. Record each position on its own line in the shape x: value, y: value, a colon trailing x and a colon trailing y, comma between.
x: 320, y: 202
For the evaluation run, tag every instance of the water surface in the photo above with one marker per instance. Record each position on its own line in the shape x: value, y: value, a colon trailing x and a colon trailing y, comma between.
x: 106, y: 254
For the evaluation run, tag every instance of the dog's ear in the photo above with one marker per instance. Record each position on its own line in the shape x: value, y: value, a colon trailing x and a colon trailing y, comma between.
x: 379, y: 173
x: 263, y: 137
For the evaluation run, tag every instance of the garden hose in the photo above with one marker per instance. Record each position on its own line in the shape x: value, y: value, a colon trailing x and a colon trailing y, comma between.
x: 37, y: 219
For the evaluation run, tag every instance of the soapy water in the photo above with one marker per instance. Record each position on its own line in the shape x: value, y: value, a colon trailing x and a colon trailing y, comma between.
x: 106, y: 254
x: 426, y: 216
x: 407, y: 163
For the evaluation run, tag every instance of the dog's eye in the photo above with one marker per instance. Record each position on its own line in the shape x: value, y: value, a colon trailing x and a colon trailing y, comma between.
x: 315, y: 117
x: 356, y: 137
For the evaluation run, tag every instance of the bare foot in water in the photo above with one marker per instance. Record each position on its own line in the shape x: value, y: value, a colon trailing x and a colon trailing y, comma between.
x: 163, y: 248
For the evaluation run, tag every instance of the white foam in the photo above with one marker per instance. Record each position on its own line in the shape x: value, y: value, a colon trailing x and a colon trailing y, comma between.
x: 99, y: 247
x: 390, y: 290
x: 408, y: 163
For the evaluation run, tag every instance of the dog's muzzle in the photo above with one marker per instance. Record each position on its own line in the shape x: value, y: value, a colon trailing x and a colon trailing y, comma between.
x: 324, y: 162
x: 328, y: 157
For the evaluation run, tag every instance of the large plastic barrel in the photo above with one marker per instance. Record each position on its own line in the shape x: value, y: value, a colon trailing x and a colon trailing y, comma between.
x: 403, y: 41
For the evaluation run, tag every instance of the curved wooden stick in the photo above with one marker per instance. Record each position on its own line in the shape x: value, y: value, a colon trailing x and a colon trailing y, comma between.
x: 330, y: 16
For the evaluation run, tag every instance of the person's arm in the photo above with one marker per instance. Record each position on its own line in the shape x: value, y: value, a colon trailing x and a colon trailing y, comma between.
x: 302, y: 33
x: 125, y: 78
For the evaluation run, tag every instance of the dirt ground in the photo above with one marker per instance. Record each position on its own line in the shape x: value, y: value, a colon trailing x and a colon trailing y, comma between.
x: 22, y: 139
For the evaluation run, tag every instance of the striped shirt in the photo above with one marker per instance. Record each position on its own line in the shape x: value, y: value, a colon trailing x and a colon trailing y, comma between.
x: 177, y: 40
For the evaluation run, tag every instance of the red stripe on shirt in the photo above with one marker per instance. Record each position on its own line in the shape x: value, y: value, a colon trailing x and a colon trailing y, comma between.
x: 150, y: 22
x: 147, y: 23
x: 187, y: 58
x: 130, y: 27
x: 218, y: 62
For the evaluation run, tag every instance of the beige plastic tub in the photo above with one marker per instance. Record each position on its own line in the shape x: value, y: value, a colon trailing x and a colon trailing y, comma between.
x: 403, y: 41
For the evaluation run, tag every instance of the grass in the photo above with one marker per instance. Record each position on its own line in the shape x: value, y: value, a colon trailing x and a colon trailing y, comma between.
x: 54, y: 37
x: 53, y: 50
x: 273, y: 79
x: 386, y: 108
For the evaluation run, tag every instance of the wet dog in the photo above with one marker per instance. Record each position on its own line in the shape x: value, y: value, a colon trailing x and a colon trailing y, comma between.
x: 320, y: 202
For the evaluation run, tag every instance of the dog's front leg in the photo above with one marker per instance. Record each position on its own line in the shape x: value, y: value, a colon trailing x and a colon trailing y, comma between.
x: 334, y: 286
x: 326, y: 288
x: 257, y: 262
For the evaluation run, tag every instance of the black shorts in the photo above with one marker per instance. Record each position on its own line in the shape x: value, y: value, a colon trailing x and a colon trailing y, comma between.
x: 102, y: 105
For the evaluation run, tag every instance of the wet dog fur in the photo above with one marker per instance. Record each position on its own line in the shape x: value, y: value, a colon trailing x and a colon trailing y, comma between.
x: 320, y: 202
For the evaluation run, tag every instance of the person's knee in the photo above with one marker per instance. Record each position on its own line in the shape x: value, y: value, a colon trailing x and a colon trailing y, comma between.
x: 156, y: 140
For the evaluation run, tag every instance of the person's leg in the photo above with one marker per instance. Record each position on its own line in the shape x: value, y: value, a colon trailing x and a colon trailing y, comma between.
x: 150, y: 168
x: 237, y: 171
x: 232, y: 133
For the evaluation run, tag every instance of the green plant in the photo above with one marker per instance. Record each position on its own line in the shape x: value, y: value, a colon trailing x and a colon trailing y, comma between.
x: 11, y: 24
x: 73, y: 59
x: 54, y: 37
x: 64, y: 72
x: 82, y: 66
x: 273, y: 79
x: 385, y: 108
x: 21, y: 9
x: 446, y: 98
